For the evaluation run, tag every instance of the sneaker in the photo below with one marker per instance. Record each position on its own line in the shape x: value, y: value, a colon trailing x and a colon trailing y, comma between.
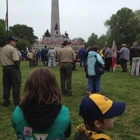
x: 5, y: 104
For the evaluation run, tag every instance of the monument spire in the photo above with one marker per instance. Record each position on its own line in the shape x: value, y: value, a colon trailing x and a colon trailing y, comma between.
x: 55, y: 23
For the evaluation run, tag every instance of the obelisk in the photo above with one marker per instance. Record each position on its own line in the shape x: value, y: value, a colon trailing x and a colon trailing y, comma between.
x: 55, y: 23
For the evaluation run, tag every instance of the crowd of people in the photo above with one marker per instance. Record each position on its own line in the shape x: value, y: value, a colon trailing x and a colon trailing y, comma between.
x: 40, y: 114
x: 48, y: 56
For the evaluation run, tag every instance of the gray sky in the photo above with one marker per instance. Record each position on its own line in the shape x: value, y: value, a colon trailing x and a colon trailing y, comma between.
x: 79, y: 18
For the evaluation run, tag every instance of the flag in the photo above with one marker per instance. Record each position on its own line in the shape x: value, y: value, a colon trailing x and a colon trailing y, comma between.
x: 27, y: 49
x: 6, y: 19
x: 105, y: 43
x: 113, y: 55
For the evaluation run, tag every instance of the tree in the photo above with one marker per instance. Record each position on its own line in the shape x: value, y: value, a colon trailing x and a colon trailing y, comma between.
x: 123, y: 27
x: 2, y: 33
x: 101, y: 41
x: 23, y: 32
x: 138, y: 39
x: 92, y: 40
x: 22, y: 44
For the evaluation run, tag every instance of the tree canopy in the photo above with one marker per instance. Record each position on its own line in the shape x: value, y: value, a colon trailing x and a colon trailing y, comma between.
x: 2, y: 33
x: 123, y: 27
x: 92, y: 40
x: 23, y: 32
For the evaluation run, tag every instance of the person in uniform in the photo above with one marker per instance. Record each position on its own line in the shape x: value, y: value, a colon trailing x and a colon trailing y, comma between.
x: 66, y: 58
x: 11, y: 72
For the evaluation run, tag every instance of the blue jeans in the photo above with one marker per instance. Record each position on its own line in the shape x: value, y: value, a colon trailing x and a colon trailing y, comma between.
x: 82, y: 60
x: 94, y: 83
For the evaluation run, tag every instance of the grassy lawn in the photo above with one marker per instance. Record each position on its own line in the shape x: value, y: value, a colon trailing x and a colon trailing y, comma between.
x: 117, y: 86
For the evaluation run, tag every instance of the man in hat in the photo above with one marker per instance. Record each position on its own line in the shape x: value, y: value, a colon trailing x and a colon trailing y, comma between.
x: 124, y: 54
x: 66, y: 58
x: 11, y: 72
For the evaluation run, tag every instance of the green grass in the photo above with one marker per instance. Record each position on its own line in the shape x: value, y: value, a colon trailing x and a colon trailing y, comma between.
x: 117, y: 86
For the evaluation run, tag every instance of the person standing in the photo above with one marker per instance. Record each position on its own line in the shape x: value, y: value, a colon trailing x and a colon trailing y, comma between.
x: 94, y: 80
x: 41, y: 115
x: 51, y: 57
x: 30, y: 58
x: 82, y: 53
x: 44, y: 56
x: 135, y: 54
x: 124, y: 54
x: 66, y: 58
x: 11, y: 72
x: 108, y: 58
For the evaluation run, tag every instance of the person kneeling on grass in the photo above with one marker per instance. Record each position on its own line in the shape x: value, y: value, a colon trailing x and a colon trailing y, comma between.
x: 98, y: 113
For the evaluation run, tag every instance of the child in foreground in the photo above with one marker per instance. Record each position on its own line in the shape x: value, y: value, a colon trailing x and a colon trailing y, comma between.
x: 40, y: 115
x: 98, y: 113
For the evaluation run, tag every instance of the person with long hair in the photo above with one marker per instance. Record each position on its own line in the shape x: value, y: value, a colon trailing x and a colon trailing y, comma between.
x: 41, y: 114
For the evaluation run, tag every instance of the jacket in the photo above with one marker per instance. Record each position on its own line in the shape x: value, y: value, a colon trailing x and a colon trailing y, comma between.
x: 56, y: 131
x: 91, y: 62
x: 51, y: 53
x: 108, y: 53
x: 124, y: 53
x: 135, y: 51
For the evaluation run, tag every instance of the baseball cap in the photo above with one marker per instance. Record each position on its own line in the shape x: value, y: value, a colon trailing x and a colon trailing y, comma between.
x: 96, y: 105
x: 11, y: 38
x: 123, y: 45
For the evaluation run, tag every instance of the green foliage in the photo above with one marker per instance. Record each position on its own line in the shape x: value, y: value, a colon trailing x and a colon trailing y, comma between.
x: 22, y: 44
x: 3, y: 33
x: 101, y: 41
x: 138, y: 38
x: 92, y: 40
x: 123, y: 27
x: 24, y: 32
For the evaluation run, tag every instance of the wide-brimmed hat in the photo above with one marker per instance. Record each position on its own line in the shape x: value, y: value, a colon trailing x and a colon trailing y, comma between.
x: 12, y: 38
x: 66, y: 42
x: 96, y: 105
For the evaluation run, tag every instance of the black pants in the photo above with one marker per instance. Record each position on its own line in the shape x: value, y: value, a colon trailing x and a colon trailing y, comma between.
x: 11, y: 78
x: 123, y: 63
x: 108, y: 63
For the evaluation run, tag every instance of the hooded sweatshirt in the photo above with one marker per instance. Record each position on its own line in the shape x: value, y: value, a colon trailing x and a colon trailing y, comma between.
x: 50, y: 122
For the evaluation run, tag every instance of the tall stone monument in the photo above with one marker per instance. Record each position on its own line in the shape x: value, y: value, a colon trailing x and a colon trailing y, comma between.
x: 54, y: 37
x: 55, y: 33
x: 55, y: 23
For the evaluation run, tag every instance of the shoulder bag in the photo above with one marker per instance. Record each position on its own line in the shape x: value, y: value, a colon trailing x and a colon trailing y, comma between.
x: 99, y: 69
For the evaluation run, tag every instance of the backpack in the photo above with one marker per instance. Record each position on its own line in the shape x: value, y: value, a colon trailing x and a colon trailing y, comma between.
x: 99, y: 68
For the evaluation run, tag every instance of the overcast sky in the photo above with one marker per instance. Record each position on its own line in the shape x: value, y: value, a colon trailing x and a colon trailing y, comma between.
x: 79, y: 18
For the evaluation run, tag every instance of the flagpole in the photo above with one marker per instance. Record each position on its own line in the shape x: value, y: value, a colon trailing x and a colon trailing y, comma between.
x: 7, y: 16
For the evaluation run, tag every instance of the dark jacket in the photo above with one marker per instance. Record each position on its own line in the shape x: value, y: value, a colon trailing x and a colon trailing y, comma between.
x: 135, y: 51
